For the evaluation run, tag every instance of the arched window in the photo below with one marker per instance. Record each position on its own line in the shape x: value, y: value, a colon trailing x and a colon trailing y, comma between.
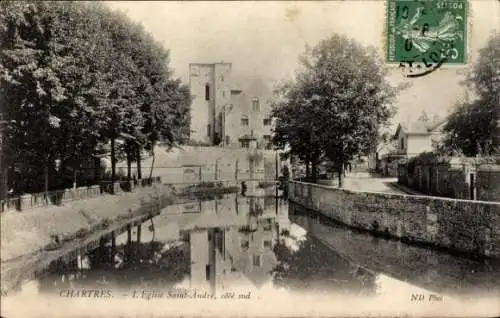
x: 207, y: 91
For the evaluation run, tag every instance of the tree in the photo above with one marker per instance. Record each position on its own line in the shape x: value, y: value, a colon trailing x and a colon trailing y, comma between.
x: 75, y: 79
x: 474, y: 127
x: 31, y: 90
x: 336, y: 104
x: 171, y: 116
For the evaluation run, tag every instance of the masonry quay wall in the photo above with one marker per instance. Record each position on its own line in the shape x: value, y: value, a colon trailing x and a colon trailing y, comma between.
x: 459, y: 225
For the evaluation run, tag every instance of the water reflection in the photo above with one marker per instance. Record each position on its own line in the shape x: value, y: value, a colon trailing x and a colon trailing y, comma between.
x: 306, y: 263
x: 251, y: 244
x: 421, y: 267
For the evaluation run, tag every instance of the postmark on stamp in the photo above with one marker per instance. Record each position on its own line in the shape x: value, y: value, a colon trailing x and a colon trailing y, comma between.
x: 423, y: 35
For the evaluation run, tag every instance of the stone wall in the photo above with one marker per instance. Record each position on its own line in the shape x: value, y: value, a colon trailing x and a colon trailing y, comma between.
x: 215, y: 164
x: 460, y: 225
x: 488, y: 183
x: 453, y: 181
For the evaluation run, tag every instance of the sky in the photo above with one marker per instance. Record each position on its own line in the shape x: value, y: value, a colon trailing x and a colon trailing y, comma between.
x: 265, y: 38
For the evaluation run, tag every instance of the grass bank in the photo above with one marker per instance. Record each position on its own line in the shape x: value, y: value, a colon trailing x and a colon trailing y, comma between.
x: 32, y: 237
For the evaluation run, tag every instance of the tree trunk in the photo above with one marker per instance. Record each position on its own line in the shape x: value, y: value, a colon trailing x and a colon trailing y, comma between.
x: 46, y: 179
x: 113, y: 165
x: 153, y: 229
x: 341, y: 174
x: 250, y: 163
x: 97, y: 169
x: 152, y: 164
x: 314, y: 170
x: 308, y: 173
x: 129, y: 163
x: 138, y: 159
x: 216, y: 168
x: 236, y: 170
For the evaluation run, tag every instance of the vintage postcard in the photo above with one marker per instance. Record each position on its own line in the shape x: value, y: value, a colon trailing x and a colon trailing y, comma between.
x: 250, y: 159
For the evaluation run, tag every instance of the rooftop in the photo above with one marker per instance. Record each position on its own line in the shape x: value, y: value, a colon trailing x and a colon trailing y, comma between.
x: 420, y: 127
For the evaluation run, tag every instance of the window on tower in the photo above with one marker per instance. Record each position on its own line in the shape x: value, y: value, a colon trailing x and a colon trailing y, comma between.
x: 244, y: 120
x: 256, y: 260
x: 207, y: 91
x: 255, y: 104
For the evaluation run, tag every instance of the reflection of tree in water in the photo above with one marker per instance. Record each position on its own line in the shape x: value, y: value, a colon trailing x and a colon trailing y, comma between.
x: 56, y: 276
x: 313, y: 266
x: 140, y: 264
x: 151, y: 266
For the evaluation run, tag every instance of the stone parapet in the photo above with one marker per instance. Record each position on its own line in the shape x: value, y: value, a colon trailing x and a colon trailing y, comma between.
x: 460, y: 225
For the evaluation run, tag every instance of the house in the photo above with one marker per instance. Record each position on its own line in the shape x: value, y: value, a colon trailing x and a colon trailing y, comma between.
x: 248, y: 114
x: 227, y: 110
x: 416, y: 137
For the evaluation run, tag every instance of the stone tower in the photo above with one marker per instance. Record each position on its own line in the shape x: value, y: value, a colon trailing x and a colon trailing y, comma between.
x: 210, y: 88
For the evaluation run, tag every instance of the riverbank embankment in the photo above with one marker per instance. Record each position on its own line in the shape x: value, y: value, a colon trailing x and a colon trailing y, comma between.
x: 32, y: 239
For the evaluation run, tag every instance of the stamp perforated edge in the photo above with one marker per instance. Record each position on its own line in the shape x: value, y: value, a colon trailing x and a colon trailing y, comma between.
x: 467, y: 49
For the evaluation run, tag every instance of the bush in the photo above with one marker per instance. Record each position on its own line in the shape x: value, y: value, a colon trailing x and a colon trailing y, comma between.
x: 434, y: 159
x: 426, y: 159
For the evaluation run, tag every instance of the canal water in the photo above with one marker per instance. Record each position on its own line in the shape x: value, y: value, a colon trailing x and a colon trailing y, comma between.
x: 242, y: 246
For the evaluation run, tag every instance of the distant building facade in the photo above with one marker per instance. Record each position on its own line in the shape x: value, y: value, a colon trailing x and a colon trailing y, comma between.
x: 416, y: 137
x: 228, y: 112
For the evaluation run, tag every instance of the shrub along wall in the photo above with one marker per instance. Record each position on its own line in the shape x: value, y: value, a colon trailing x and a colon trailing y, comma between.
x: 460, y: 225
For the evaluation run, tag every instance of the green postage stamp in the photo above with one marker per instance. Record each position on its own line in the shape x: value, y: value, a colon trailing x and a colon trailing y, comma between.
x: 430, y: 32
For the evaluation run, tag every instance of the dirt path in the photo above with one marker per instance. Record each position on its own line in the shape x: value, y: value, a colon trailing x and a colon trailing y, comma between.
x: 371, y: 183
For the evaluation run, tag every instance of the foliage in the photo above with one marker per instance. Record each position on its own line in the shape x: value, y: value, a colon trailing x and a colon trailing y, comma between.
x: 429, y: 158
x: 474, y: 127
x: 336, y: 105
x: 437, y: 158
x: 426, y: 159
x: 79, y: 81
